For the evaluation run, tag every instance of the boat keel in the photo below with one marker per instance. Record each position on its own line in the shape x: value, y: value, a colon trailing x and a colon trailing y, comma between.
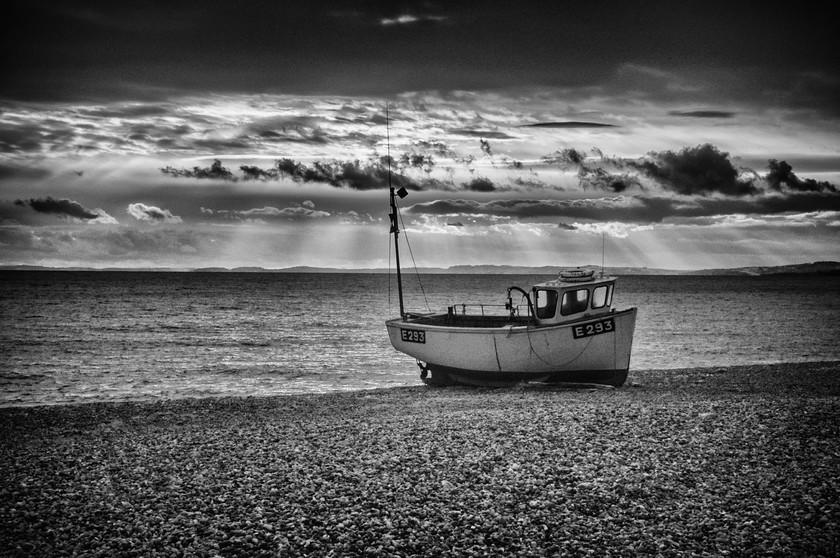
x: 436, y: 375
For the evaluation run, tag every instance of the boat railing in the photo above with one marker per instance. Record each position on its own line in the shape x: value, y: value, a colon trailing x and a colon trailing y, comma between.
x: 486, y: 309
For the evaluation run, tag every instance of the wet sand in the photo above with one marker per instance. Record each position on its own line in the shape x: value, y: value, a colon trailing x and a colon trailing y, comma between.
x: 741, y: 461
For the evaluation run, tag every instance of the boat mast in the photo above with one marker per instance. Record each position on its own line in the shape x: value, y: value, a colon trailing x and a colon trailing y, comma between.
x: 395, y: 227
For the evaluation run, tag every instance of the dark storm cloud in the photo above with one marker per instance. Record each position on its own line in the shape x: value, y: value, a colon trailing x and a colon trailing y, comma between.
x: 569, y: 124
x: 692, y: 171
x: 492, y: 134
x: 350, y: 174
x: 703, y: 113
x: 696, y: 171
x: 215, y: 171
x: 781, y: 174
x: 480, y: 185
x: 250, y: 172
x: 356, y: 175
x: 568, y: 156
x: 62, y: 207
x: 601, y: 179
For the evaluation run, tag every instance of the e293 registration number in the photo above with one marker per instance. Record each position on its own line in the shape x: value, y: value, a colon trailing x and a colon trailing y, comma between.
x: 593, y: 328
x: 413, y: 335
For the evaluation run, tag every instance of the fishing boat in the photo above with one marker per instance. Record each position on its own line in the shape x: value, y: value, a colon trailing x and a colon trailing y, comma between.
x: 564, y: 330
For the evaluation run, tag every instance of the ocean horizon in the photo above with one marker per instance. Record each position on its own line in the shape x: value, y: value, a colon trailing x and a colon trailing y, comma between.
x: 817, y: 267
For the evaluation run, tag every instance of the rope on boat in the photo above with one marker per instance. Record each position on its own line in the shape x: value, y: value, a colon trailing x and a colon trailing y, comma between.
x: 496, y: 350
x: 536, y: 354
x: 413, y: 262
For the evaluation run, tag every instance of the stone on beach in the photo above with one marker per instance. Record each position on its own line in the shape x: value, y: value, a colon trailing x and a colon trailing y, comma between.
x: 681, y: 462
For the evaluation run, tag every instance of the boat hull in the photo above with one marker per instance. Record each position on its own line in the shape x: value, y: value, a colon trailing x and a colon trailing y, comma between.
x: 445, y: 376
x: 591, y: 351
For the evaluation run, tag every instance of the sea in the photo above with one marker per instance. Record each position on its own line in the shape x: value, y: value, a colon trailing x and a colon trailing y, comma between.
x: 89, y: 336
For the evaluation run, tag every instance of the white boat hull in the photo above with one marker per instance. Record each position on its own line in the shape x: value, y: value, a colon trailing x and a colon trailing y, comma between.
x: 594, y: 350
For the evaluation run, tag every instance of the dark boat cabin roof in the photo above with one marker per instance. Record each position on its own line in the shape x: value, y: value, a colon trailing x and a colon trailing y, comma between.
x: 574, y: 295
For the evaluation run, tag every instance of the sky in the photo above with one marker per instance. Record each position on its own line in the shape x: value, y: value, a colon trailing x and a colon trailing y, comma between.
x: 191, y: 134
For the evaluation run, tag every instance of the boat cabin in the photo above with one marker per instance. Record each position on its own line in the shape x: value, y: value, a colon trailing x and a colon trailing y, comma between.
x: 574, y: 295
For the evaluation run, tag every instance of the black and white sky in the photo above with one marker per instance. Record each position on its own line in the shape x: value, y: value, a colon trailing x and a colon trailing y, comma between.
x: 191, y: 134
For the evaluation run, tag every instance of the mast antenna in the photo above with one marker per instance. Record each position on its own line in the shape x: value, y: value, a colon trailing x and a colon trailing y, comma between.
x: 603, y: 251
x: 395, y: 227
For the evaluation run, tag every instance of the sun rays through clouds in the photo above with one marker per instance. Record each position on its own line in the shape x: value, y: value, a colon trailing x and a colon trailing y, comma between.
x: 494, y: 177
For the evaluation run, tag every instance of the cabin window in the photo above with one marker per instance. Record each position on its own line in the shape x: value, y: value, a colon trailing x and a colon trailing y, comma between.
x: 601, y: 297
x: 546, y: 303
x: 574, y: 301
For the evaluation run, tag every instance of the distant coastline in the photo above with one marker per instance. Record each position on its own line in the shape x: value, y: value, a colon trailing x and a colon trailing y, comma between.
x: 815, y: 268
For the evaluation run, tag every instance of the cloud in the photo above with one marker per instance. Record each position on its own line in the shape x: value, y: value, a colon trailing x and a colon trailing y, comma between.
x: 437, y: 147
x: 355, y: 175
x: 519, y: 208
x: 567, y: 156
x: 692, y: 171
x: 494, y: 134
x: 304, y: 210
x: 633, y: 209
x: 299, y: 129
x: 698, y: 170
x: 151, y: 214
x: 416, y: 160
x: 480, y: 185
x: 410, y: 19
x: 702, y: 113
x: 781, y: 173
x: 569, y: 124
x: 346, y: 174
x: 63, y: 208
x: 119, y: 245
x: 214, y: 171
x: 297, y: 211
x: 600, y: 178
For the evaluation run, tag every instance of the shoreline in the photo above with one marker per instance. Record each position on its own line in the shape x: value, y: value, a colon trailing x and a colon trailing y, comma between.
x: 704, y: 461
x: 636, y: 378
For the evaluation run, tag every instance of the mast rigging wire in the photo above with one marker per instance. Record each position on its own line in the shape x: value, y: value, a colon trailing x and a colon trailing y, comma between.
x: 395, y: 226
x: 413, y: 262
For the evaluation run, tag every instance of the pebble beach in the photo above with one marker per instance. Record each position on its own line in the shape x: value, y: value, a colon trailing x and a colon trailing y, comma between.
x: 739, y: 461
